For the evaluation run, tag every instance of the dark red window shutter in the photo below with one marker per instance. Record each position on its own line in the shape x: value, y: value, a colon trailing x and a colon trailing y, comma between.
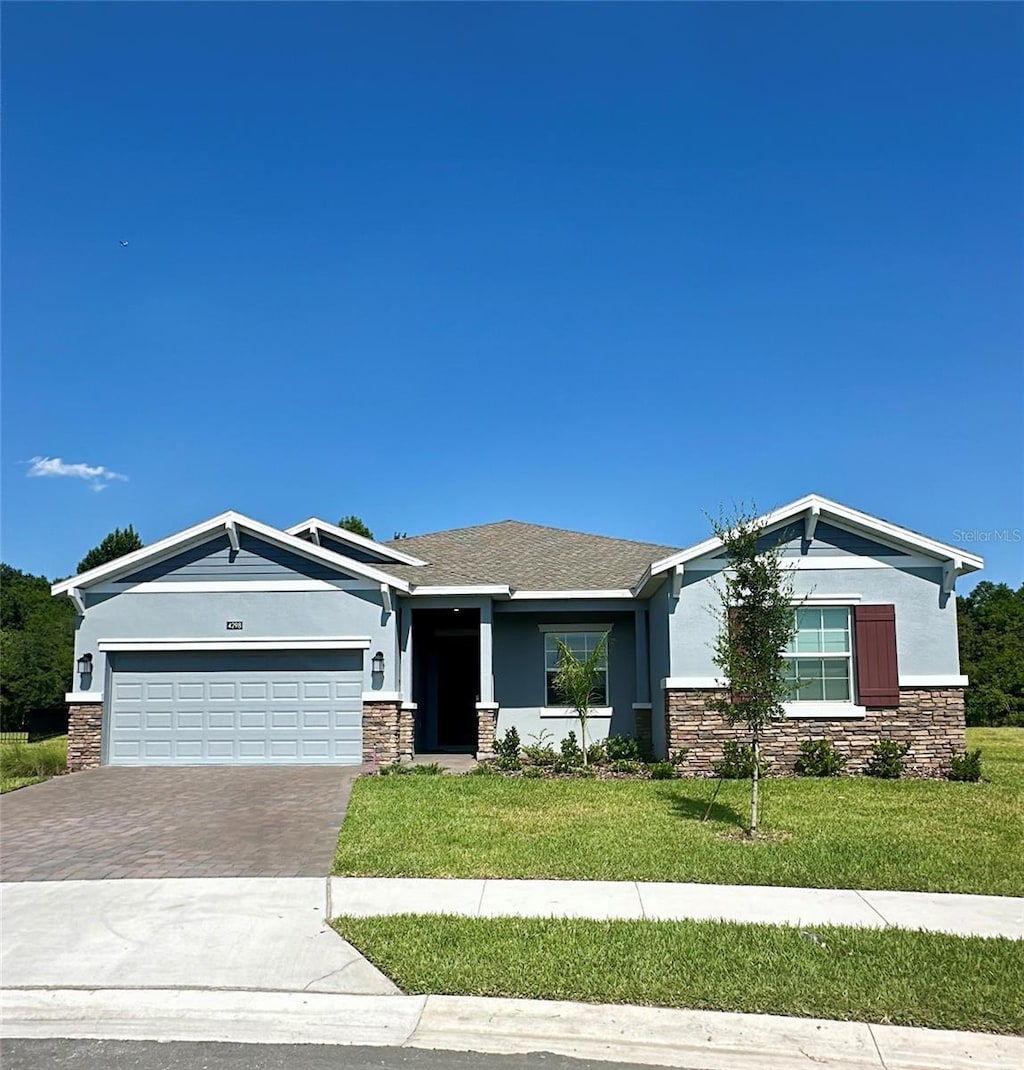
x: 878, y: 681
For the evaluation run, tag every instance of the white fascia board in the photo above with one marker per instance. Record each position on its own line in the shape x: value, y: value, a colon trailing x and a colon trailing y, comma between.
x: 615, y: 592
x: 314, y: 525
x: 934, y: 680
x: 694, y: 682
x: 864, y: 522
x: 286, y: 642
x: 470, y: 589
x: 823, y: 563
x: 197, y: 534
x: 232, y: 586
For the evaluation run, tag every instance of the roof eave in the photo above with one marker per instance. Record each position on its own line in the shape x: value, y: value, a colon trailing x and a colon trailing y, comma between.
x: 226, y: 522
x: 813, y: 503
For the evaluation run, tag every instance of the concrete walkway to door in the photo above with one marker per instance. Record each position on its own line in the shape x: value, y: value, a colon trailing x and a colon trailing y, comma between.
x: 209, y: 821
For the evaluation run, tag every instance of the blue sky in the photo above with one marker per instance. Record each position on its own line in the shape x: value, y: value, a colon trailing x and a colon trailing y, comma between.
x: 596, y: 266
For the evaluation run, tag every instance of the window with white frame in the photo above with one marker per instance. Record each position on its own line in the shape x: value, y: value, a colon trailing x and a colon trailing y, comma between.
x: 819, y: 657
x: 582, y: 645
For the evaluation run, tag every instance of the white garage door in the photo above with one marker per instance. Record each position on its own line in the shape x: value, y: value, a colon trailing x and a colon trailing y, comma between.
x: 236, y: 709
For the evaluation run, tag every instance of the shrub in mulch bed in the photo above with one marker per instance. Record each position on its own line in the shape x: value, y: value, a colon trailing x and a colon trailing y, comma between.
x: 614, y: 758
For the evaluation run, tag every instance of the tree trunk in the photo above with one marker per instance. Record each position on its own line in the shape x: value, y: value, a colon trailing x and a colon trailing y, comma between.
x: 583, y: 737
x: 754, y: 785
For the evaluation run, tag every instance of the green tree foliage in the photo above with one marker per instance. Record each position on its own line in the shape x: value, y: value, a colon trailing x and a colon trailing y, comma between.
x: 115, y: 545
x: 991, y: 623
x: 355, y: 525
x: 756, y: 623
x: 36, y: 646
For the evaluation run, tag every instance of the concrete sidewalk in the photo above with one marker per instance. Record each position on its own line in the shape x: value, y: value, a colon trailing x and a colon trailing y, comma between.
x: 961, y: 915
x: 245, y: 933
x: 649, y: 1035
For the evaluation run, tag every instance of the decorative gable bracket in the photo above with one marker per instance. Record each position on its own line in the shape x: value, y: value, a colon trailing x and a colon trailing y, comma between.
x: 950, y: 570
x: 232, y: 529
x: 677, y: 580
x: 811, y: 522
x: 385, y: 593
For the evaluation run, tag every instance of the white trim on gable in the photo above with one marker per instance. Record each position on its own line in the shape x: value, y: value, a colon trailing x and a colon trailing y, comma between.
x: 224, y: 522
x: 230, y: 586
x: 813, y: 508
x: 314, y: 525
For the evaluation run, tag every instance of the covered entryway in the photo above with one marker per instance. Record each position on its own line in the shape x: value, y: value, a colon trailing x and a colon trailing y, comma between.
x: 446, y: 678
x: 236, y: 708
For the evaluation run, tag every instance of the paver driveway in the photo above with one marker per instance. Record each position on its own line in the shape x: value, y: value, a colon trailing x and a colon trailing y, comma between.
x: 192, y: 822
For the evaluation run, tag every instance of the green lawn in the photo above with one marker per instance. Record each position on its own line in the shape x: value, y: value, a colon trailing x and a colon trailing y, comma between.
x: 893, y: 976
x: 842, y: 833
x: 23, y: 763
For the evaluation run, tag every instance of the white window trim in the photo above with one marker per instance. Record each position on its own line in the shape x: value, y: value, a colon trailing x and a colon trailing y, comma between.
x: 565, y: 629
x: 568, y: 713
x: 849, y: 655
x: 798, y: 711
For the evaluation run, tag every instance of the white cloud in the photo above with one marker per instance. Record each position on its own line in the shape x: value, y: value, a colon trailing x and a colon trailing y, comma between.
x: 98, y: 477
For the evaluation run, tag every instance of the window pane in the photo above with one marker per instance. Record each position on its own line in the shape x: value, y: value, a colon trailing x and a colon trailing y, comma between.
x: 812, y: 691
x: 837, y: 690
x: 553, y: 698
x: 836, y: 642
x: 808, y: 642
x: 835, y: 618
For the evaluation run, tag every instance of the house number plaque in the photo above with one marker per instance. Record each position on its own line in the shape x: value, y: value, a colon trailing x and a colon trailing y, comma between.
x: 234, y: 625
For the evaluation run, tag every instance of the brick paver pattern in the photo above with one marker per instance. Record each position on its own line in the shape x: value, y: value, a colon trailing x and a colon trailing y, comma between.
x: 217, y: 821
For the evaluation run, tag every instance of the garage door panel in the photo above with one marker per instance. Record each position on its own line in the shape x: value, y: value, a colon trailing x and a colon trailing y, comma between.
x: 250, y: 709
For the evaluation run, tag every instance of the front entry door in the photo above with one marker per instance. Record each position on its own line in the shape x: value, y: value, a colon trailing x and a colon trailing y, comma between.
x: 446, y: 656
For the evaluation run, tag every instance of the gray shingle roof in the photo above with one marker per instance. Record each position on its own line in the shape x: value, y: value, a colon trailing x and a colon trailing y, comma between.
x: 527, y: 557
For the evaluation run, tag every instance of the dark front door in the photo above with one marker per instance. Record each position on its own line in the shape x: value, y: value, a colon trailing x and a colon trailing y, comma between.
x: 446, y: 670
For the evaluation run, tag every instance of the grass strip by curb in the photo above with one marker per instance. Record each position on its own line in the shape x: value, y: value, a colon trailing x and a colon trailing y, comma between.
x: 889, y: 976
x: 840, y: 832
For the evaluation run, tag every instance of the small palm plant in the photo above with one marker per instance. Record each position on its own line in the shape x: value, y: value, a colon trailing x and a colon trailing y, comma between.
x: 580, y: 682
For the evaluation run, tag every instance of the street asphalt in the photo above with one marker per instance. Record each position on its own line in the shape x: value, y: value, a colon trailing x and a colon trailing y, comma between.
x: 149, y: 1055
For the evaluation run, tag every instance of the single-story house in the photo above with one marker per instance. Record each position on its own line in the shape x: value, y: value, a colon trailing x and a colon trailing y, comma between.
x: 234, y: 642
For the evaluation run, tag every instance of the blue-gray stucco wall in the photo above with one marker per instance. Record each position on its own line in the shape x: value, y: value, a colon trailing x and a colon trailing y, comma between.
x: 926, y: 632
x: 161, y: 612
x: 519, y: 682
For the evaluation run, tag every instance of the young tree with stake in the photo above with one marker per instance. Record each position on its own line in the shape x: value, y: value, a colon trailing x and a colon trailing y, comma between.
x: 757, y: 621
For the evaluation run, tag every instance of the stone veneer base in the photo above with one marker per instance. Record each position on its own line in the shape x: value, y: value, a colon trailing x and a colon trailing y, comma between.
x: 486, y: 732
x: 387, y: 733
x: 85, y: 736
x: 930, y: 719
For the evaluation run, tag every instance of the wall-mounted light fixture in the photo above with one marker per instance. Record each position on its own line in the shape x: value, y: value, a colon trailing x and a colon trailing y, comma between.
x: 377, y: 663
x: 85, y: 665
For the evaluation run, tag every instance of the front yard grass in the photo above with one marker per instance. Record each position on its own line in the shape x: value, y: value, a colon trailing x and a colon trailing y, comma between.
x: 23, y: 763
x: 846, y: 832
x: 891, y: 976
